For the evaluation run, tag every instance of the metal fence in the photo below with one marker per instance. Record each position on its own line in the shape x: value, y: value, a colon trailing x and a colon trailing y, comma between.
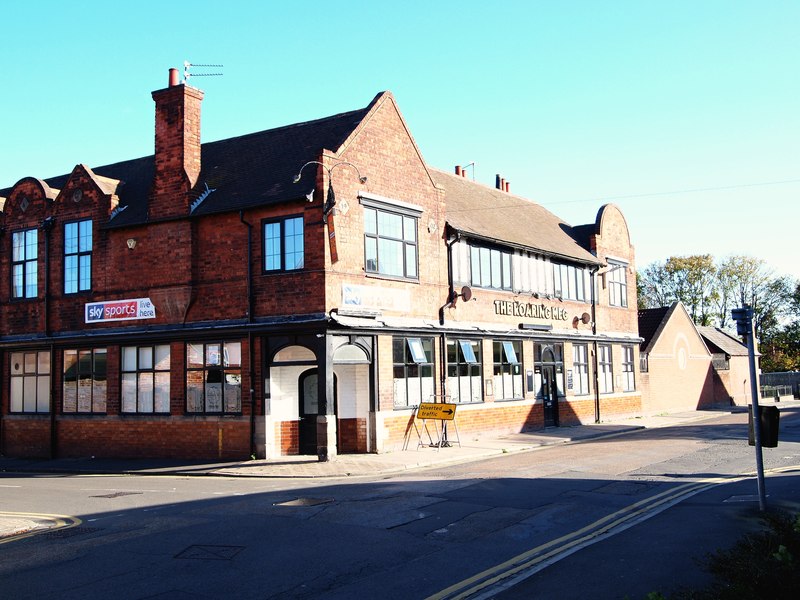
x: 790, y: 380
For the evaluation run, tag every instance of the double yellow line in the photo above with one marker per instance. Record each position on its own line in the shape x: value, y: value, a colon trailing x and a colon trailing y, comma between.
x: 43, y: 524
x: 537, y: 558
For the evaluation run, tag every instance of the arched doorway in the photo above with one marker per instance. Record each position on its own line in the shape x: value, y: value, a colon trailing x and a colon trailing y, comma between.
x: 308, y: 409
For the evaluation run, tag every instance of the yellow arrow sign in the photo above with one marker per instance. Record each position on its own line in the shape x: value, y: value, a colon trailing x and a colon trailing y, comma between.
x: 443, y: 412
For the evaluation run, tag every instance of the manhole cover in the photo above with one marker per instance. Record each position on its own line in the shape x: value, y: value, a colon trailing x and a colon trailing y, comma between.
x: 117, y: 495
x: 305, y: 502
x: 623, y: 488
x: 207, y: 552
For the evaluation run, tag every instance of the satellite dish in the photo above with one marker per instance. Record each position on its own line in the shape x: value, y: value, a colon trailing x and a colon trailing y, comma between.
x: 466, y: 293
x: 585, y: 318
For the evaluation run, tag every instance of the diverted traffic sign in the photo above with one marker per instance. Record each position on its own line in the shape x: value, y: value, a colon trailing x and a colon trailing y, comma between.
x: 443, y: 412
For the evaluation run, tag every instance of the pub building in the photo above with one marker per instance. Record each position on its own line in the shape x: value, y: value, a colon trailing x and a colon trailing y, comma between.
x: 299, y: 290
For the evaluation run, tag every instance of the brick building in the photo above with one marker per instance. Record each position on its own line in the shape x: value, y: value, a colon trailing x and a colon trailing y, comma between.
x: 299, y: 290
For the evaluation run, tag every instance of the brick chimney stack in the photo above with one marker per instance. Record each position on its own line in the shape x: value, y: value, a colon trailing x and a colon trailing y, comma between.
x: 177, y: 148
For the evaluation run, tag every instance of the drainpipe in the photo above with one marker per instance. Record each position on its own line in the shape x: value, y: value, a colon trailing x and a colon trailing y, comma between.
x: 47, y: 227
x: 250, y: 349
x: 593, y: 274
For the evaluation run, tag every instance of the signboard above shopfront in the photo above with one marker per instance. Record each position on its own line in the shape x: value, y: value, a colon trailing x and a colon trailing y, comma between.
x: 119, y: 310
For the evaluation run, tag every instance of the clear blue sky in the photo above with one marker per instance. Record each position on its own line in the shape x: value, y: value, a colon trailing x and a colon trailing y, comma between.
x: 683, y: 113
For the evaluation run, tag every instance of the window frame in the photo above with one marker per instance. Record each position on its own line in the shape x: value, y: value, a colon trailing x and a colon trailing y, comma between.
x: 42, y: 382
x: 215, y: 365
x: 81, y: 281
x: 29, y: 281
x: 569, y: 282
x: 580, y: 367
x: 95, y: 374
x: 605, y: 368
x: 143, y: 375
x: 494, y: 259
x: 618, y: 284
x: 409, y: 220
x: 628, y: 369
x: 403, y: 361
x: 505, y: 367
x: 464, y: 363
x: 282, y: 241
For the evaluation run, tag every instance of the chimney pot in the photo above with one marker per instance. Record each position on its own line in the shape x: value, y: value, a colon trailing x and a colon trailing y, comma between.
x: 458, y: 170
x: 497, y: 181
x: 173, y: 77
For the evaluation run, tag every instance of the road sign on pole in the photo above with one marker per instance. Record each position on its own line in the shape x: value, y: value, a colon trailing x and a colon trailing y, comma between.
x: 744, y: 326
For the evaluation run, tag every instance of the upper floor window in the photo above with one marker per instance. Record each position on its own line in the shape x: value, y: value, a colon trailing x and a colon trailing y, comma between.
x: 145, y: 379
x: 85, y: 381
x: 25, y: 263
x: 570, y: 282
x: 390, y: 243
x: 491, y: 267
x: 618, y: 284
x: 284, y: 244
x: 78, y: 257
x: 214, y: 378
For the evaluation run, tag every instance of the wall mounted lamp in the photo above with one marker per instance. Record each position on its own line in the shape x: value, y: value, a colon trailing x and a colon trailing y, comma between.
x: 131, y: 243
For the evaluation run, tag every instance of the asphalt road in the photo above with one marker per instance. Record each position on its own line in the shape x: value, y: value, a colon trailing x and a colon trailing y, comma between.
x: 603, y: 519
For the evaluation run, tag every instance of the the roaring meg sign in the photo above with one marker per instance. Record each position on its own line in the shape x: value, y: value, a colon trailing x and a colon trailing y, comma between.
x: 120, y: 310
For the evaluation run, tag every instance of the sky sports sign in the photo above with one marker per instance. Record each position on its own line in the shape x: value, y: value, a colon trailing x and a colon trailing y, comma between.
x: 120, y: 310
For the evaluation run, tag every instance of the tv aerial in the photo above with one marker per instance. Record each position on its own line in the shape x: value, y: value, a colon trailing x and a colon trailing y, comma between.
x: 187, y: 65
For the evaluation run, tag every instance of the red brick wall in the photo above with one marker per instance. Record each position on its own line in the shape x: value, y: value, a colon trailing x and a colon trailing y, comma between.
x: 26, y: 436
x: 352, y: 435
x: 211, y: 438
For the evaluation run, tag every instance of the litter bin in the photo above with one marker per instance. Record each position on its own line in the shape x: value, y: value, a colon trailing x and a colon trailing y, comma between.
x: 770, y: 420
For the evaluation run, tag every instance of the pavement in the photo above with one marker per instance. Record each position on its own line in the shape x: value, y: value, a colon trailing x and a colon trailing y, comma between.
x: 471, y: 448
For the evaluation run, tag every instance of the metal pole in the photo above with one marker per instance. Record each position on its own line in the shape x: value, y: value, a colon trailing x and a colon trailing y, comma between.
x: 762, y: 495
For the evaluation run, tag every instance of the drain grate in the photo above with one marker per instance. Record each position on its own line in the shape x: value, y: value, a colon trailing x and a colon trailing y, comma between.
x: 305, y: 502
x: 68, y: 532
x: 118, y: 495
x: 209, y: 552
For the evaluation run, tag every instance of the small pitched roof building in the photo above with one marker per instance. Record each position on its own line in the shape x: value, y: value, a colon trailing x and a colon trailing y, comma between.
x: 676, y: 364
x: 731, y: 366
x: 299, y: 290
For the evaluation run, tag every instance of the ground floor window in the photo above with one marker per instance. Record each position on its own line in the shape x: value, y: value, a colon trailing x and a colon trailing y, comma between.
x: 580, y: 369
x: 214, y: 378
x: 628, y: 379
x: 85, y: 381
x: 30, y: 382
x: 605, y: 369
x: 507, y: 359
x: 464, y: 370
x: 145, y: 379
x: 412, y: 359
